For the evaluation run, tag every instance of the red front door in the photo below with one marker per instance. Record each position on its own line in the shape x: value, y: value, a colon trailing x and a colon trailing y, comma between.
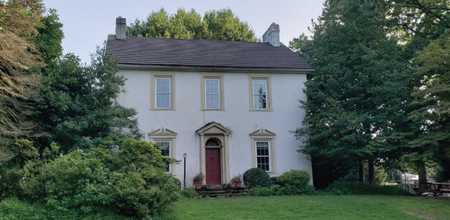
x: 213, y: 166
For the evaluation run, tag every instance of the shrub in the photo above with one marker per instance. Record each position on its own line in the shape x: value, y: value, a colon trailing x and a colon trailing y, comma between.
x: 130, y: 182
x: 177, y: 183
x: 256, y: 177
x: 13, y: 208
x: 274, y: 180
x: 10, y: 176
x: 277, y: 190
x: 260, y: 191
x: 189, y: 193
x: 294, y: 178
x: 357, y: 188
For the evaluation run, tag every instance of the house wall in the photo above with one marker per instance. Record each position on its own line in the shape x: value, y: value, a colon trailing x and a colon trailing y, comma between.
x: 188, y: 117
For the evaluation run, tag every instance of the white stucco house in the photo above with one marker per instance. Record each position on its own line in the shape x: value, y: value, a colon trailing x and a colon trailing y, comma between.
x: 230, y: 106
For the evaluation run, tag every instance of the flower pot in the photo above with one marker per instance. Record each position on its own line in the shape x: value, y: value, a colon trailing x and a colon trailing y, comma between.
x: 198, y: 184
x: 237, y: 184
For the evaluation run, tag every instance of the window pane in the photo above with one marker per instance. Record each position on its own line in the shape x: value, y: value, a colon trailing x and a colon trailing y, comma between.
x: 259, y: 87
x: 163, y: 100
x: 163, y: 85
x: 259, y: 102
x: 212, y: 101
x: 212, y: 86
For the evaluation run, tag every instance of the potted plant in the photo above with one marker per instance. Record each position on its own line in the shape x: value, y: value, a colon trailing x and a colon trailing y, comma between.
x: 237, y: 180
x: 198, y: 180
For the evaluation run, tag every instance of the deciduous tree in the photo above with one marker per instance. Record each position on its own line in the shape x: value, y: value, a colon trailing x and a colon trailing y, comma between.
x: 215, y: 25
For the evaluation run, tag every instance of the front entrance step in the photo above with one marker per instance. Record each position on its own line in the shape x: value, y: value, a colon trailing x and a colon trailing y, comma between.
x: 225, y: 190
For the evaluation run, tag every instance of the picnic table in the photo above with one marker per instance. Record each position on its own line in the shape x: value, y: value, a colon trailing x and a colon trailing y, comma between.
x: 433, y: 187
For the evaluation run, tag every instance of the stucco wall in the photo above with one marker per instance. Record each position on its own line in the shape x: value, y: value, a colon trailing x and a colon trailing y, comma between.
x: 188, y: 117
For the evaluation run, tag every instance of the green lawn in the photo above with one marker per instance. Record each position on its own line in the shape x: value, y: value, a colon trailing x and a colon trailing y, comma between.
x: 313, y: 207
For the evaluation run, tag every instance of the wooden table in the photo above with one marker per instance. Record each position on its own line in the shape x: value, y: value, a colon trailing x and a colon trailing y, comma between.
x: 433, y: 187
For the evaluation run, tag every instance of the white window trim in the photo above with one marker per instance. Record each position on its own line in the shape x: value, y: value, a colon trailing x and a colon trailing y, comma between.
x: 203, y: 92
x: 265, y: 77
x: 159, y: 75
x: 264, y: 135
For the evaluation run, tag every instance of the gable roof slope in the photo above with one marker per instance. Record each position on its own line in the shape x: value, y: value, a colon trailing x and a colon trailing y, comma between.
x: 147, y: 51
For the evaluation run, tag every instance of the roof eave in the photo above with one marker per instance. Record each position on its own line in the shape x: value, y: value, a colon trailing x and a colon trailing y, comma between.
x: 213, y: 69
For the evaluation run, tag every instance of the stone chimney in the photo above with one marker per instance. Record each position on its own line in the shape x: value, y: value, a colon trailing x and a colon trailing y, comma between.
x: 272, y: 35
x: 121, y: 28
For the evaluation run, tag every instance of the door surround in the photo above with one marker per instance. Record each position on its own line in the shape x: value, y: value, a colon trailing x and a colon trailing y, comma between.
x: 214, y: 130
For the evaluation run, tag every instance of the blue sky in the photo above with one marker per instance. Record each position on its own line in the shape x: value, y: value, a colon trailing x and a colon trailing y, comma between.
x: 87, y: 23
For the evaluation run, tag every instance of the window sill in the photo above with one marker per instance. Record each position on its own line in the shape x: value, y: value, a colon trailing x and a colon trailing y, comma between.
x: 206, y: 109
x: 162, y: 109
x: 261, y: 110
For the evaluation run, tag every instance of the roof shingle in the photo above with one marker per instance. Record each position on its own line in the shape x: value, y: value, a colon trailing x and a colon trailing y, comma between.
x: 203, y: 53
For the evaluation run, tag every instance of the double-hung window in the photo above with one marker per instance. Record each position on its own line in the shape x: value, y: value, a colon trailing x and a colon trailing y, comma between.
x: 165, y: 146
x: 263, y: 150
x: 212, y: 92
x: 263, y: 155
x: 166, y: 142
x: 260, y: 93
x: 162, y: 93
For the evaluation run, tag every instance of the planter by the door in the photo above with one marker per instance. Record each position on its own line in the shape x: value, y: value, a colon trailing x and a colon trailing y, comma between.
x: 198, y: 184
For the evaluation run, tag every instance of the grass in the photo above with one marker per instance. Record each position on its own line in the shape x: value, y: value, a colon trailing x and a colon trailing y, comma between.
x: 272, y: 207
x: 313, y: 207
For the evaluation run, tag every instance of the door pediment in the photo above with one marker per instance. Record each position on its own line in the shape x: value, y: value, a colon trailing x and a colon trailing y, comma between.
x: 213, y: 128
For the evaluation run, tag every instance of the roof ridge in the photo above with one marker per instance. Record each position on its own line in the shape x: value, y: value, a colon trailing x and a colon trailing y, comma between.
x: 185, y: 39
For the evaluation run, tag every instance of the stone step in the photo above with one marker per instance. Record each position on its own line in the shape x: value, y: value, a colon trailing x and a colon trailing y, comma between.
x: 222, y: 191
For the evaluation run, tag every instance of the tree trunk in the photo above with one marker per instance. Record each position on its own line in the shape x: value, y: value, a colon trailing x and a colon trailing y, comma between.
x: 371, y: 171
x: 422, y: 172
x: 361, y: 171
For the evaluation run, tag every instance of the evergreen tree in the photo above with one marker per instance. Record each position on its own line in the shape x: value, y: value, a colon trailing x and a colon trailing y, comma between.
x: 19, y: 82
x: 78, y: 110
x: 358, y: 93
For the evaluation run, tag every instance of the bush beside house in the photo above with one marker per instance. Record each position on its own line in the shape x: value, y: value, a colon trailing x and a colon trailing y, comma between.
x: 256, y: 177
x: 130, y: 182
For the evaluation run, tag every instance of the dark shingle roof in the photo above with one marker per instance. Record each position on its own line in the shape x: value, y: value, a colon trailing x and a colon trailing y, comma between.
x: 203, y: 53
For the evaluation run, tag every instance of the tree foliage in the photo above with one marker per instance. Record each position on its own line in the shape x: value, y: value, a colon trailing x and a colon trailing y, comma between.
x: 358, y: 93
x: 78, y: 108
x: 18, y: 56
x: 215, y: 25
x: 430, y: 120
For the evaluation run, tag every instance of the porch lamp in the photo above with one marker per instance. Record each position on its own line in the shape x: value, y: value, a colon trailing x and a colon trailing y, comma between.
x: 184, y: 157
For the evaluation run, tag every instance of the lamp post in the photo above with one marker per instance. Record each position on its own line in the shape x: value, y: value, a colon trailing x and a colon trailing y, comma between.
x: 184, y: 157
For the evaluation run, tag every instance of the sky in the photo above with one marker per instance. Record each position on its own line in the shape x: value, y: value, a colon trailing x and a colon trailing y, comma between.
x: 87, y: 23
